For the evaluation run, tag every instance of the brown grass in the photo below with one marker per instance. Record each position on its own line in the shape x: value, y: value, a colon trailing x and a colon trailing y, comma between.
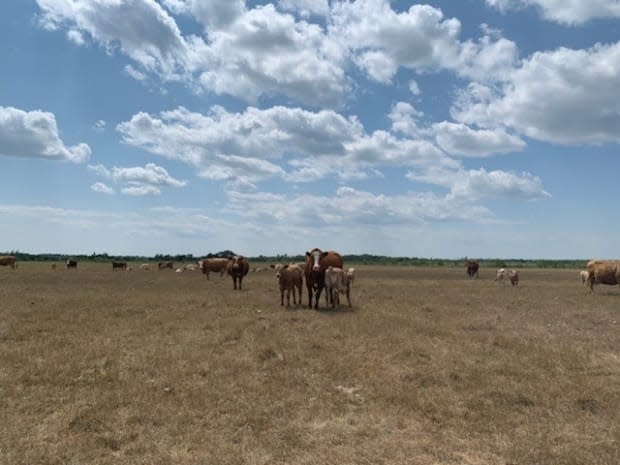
x: 157, y: 367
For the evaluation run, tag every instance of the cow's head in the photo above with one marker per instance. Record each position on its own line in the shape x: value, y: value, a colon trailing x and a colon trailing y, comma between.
x: 314, y: 257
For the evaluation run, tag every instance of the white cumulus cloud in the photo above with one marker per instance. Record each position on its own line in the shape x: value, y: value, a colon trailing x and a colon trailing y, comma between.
x: 34, y: 134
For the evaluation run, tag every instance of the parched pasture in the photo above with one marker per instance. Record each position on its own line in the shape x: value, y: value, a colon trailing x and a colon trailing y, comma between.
x: 158, y: 367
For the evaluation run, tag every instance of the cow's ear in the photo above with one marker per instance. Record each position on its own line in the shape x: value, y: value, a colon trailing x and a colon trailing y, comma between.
x: 324, y: 254
x: 272, y: 266
x: 285, y: 267
x: 307, y: 254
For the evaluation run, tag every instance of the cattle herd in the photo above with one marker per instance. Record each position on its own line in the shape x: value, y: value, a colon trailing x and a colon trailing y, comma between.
x: 325, y: 271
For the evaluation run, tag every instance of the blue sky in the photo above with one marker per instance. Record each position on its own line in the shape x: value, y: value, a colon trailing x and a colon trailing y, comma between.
x: 479, y: 128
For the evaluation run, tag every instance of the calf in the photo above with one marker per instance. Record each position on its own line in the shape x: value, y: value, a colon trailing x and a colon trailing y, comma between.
x: 290, y: 279
x: 514, y: 277
x: 338, y: 282
x: 585, y: 276
x: 499, y: 276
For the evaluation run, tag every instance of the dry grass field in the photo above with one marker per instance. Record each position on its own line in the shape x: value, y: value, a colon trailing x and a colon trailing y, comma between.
x: 156, y: 367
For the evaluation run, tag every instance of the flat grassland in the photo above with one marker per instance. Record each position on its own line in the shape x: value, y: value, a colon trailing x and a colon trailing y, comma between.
x: 156, y: 367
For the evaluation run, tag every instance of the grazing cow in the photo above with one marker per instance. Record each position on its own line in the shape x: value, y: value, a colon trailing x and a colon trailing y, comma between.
x: 290, y: 279
x: 317, y: 262
x: 585, y: 276
x: 216, y: 265
x: 237, y: 267
x: 71, y: 263
x: 337, y: 282
x: 499, y: 276
x: 514, y: 277
x: 164, y: 265
x: 190, y: 267
x: 603, y: 272
x: 8, y: 260
x: 119, y: 266
x: 145, y: 266
x: 472, y: 268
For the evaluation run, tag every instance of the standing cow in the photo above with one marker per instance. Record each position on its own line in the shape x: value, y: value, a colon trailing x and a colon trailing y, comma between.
x: 8, y: 260
x: 119, y: 266
x: 290, y: 279
x: 472, y: 269
x: 237, y: 268
x: 72, y: 264
x: 317, y: 262
x: 603, y: 272
x: 216, y: 265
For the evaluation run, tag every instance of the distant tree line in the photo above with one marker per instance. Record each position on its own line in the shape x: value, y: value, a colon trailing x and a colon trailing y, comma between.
x: 364, y: 259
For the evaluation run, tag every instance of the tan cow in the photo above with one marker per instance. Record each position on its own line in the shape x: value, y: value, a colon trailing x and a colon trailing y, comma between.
x: 603, y: 272
x: 584, y: 275
x: 290, y: 279
x: 500, y: 275
x: 514, y: 277
x: 215, y: 265
x: 8, y: 260
x: 337, y: 282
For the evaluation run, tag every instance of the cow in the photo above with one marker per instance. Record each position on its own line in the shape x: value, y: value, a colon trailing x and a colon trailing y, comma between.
x: 499, y: 275
x: 316, y: 263
x: 472, y: 268
x: 237, y: 267
x: 145, y: 266
x: 338, y: 281
x: 216, y: 265
x: 603, y: 272
x: 584, y: 275
x: 8, y: 260
x: 290, y: 279
x: 72, y: 264
x: 514, y: 277
x: 53, y: 266
x: 119, y: 266
x: 164, y: 265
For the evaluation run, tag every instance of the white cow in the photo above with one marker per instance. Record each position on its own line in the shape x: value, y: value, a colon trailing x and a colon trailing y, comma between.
x: 337, y: 282
x: 500, y: 275
x: 585, y: 276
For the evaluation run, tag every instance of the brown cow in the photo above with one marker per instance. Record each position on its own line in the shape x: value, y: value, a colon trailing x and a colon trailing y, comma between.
x: 237, y: 267
x: 514, y: 277
x: 164, y: 265
x: 603, y: 272
x: 216, y: 265
x: 472, y: 268
x: 71, y: 263
x: 290, y: 279
x: 119, y: 266
x: 8, y: 260
x: 317, y: 262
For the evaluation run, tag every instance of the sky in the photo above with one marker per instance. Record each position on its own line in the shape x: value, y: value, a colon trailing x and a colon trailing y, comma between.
x: 438, y: 129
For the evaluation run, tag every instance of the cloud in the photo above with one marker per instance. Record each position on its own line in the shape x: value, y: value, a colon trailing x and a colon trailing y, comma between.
x: 568, y: 12
x: 563, y: 96
x: 261, y: 52
x: 459, y: 139
x: 475, y: 184
x: 138, y: 180
x: 102, y: 188
x: 381, y: 41
x: 99, y: 126
x: 141, y: 29
x: 34, y: 134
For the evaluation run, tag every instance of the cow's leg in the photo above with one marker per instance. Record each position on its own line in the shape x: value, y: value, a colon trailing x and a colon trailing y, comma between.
x: 349, y: 296
x: 309, y: 288
x: 281, y: 297
x: 317, y: 297
x: 240, y: 279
